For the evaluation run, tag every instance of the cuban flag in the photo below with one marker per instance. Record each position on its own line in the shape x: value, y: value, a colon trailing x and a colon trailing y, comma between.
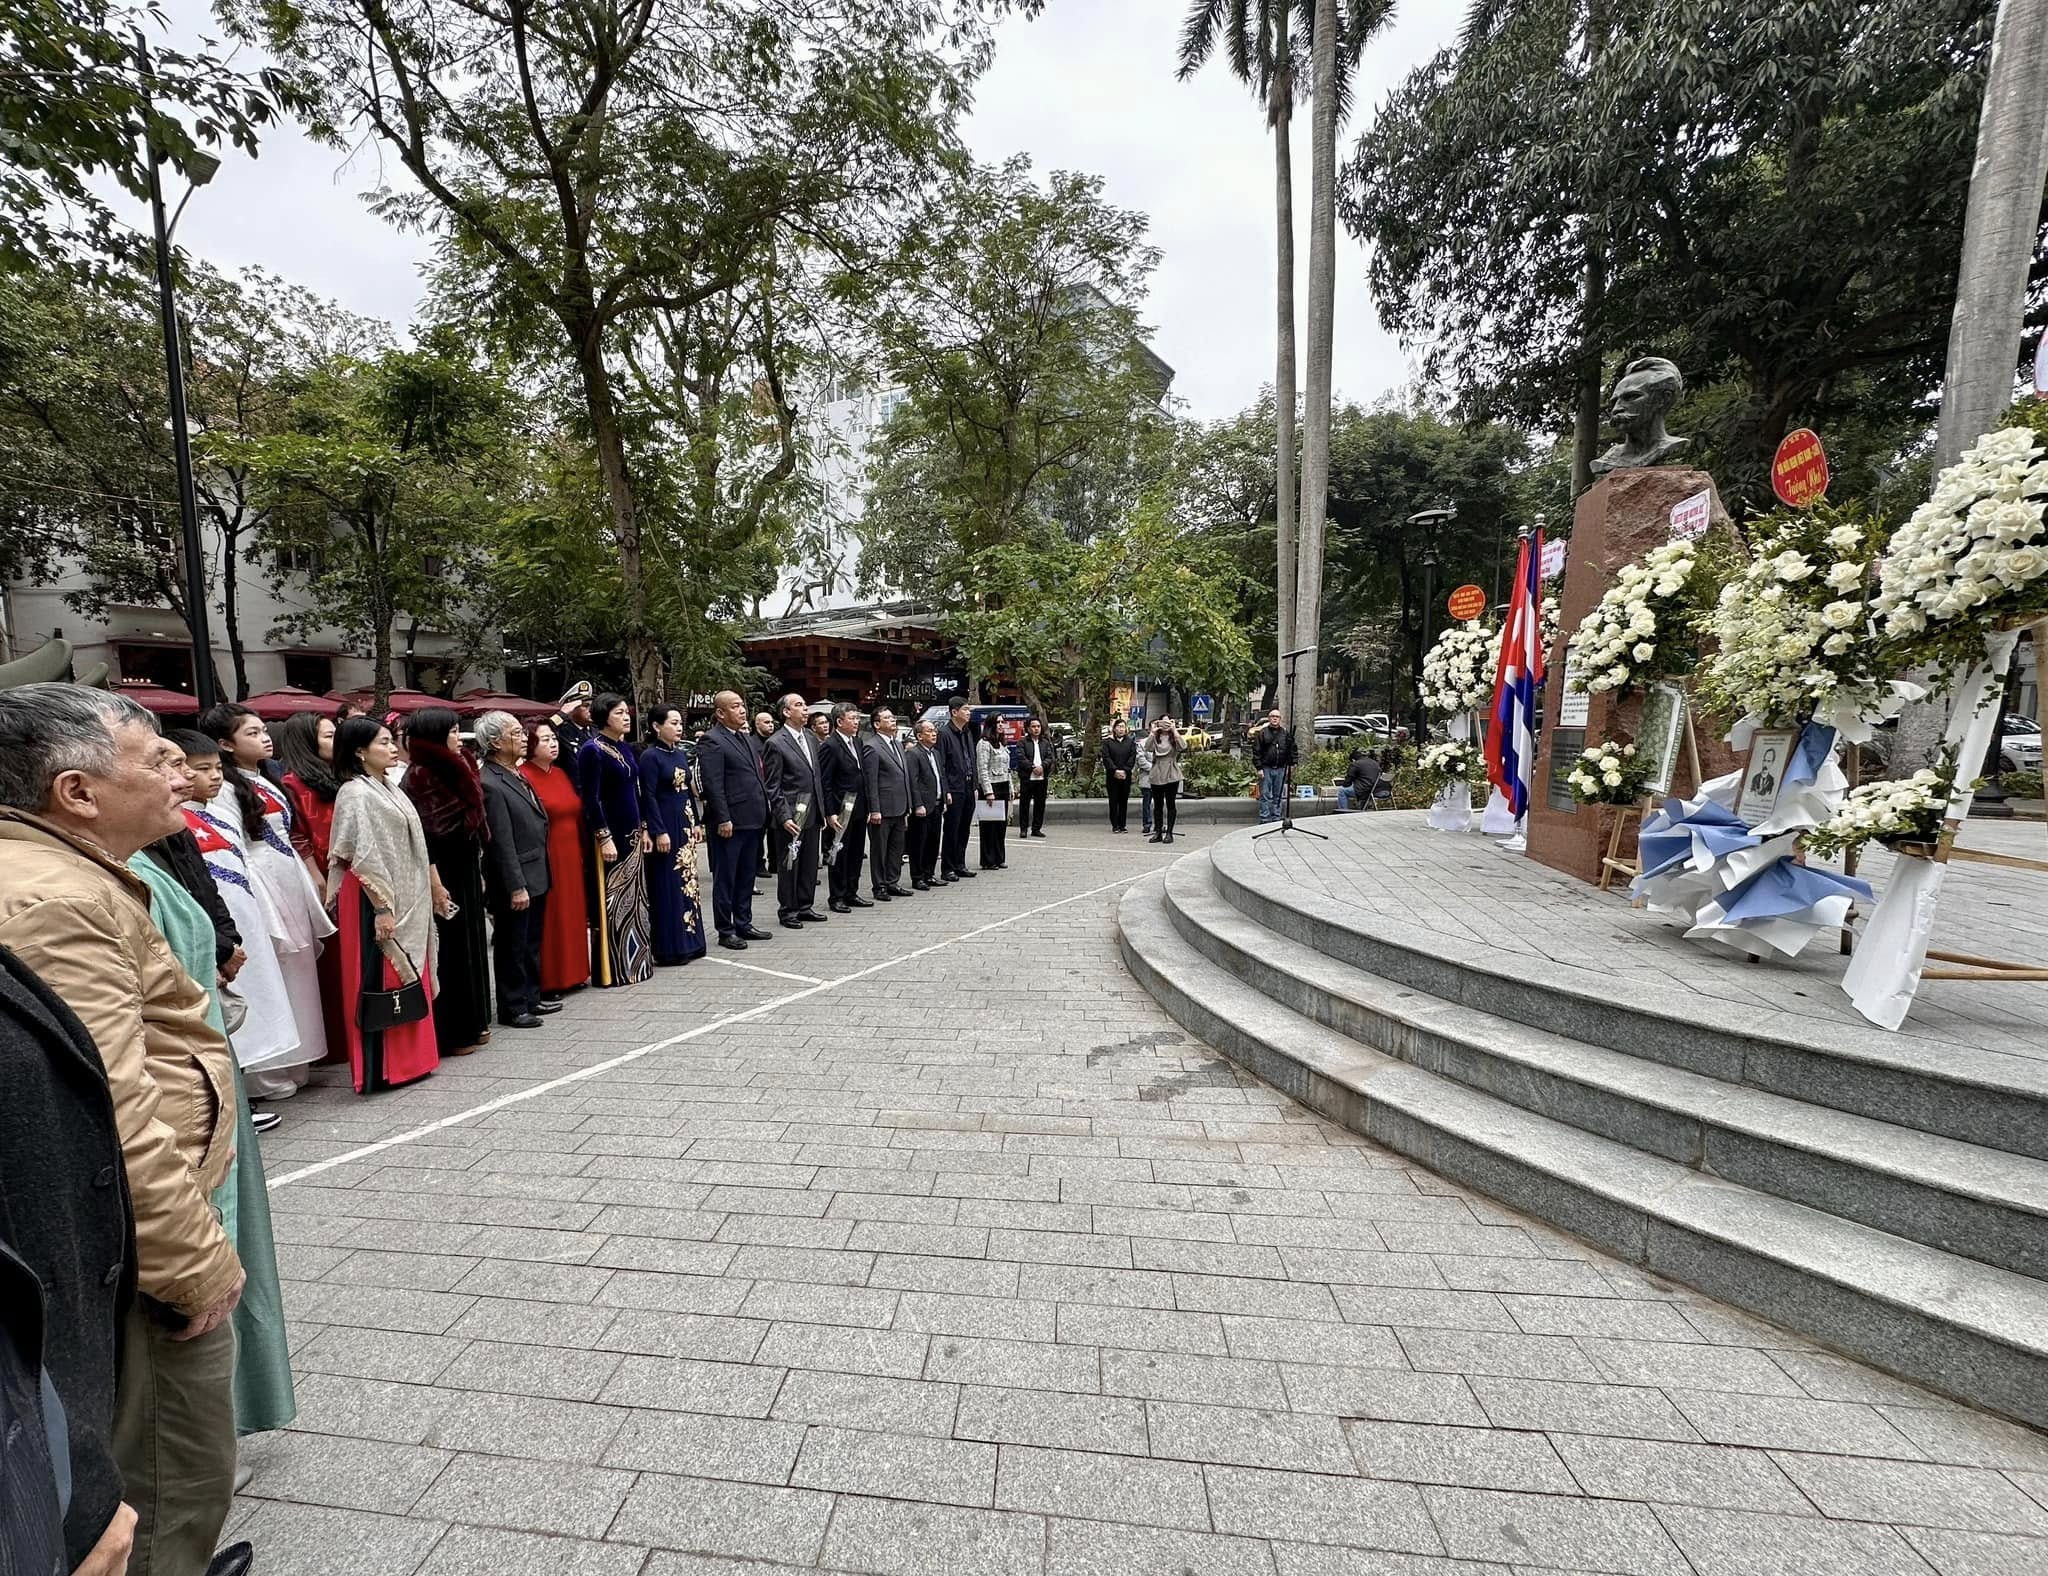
x: 1511, y: 739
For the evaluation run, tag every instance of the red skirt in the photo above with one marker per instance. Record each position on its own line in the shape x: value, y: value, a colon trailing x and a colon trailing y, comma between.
x: 396, y: 1056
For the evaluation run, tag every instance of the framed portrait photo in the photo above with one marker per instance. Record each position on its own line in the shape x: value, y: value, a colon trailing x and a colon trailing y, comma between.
x: 1763, y: 775
x: 1657, y: 740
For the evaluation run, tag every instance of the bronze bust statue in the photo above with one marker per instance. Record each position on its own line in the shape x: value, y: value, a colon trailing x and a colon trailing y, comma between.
x: 1643, y: 396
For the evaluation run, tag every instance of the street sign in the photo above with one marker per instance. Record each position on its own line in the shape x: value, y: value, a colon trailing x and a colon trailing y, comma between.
x: 1799, y: 474
x: 1553, y: 559
x: 1200, y: 706
x: 1137, y: 713
x: 1690, y: 517
x: 1467, y: 602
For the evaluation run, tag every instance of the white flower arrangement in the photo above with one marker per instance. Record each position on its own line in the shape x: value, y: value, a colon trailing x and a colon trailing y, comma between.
x: 1451, y: 761
x: 1608, y: 774
x: 1640, y: 630
x: 1457, y: 674
x: 1901, y: 810
x: 1795, y: 631
x: 1975, y: 554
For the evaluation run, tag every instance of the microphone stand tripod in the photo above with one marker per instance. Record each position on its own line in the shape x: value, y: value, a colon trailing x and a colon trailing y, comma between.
x: 1287, y: 797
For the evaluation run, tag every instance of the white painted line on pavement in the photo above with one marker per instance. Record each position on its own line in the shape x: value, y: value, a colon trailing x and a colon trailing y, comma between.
x: 755, y: 968
x: 748, y: 1015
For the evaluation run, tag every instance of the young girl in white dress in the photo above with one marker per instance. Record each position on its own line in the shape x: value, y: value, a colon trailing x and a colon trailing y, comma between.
x: 256, y: 813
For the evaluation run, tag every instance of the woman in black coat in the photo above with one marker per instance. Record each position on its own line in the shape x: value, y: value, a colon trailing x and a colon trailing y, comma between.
x: 1119, y: 771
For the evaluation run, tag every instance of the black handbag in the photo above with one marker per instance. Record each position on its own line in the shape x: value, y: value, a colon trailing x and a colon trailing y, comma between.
x: 378, y: 1010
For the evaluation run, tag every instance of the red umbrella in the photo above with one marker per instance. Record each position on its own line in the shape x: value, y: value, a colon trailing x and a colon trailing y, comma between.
x: 477, y: 701
x: 164, y: 702
x: 275, y: 705
x: 403, y: 701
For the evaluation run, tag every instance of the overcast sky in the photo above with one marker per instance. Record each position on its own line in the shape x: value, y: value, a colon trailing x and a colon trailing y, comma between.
x: 1088, y: 86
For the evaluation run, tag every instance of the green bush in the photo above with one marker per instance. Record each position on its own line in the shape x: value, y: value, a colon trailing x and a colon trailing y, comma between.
x: 1218, y: 775
x: 2021, y: 785
x: 1070, y: 783
x: 1413, y: 791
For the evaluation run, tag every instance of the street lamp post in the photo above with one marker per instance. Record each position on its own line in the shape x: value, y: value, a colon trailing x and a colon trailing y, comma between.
x: 196, y: 619
x: 1437, y: 515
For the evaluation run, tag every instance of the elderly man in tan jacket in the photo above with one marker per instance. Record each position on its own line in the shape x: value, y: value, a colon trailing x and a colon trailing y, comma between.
x: 85, y: 781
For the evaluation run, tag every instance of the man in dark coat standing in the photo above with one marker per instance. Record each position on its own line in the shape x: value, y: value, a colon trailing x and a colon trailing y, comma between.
x: 926, y: 825
x: 793, y: 760
x: 64, y: 1210
x: 886, y: 775
x: 736, y: 790
x: 844, y: 775
x: 956, y: 761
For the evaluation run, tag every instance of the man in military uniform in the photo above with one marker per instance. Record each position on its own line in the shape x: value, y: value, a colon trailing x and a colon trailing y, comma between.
x: 571, y: 723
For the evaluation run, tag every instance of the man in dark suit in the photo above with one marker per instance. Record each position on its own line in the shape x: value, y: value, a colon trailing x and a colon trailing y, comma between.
x: 65, y: 1211
x: 736, y: 789
x: 844, y: 775
x: 887, y: 778
x: 927, y: 806
x: 956, y: 761
x: 515, y: 871
x: 764, y: 730
x: 793, y: 761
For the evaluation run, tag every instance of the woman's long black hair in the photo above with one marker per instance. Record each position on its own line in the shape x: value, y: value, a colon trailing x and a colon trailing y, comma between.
x: 298, y: 747
x: 350, y: 740
x: 218, y: 723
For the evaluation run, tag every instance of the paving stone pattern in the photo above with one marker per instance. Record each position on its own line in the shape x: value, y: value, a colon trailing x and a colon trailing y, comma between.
x: 976, y: 1265
x: 1392, y: 868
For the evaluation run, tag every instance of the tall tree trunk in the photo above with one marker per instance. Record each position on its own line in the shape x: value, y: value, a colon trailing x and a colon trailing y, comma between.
x: 1281, y: 114
x: 1322, y: 304
x: 1998, y: 245
x: 231, y: 607
x: 643, y: 651
x: 1586, y: 420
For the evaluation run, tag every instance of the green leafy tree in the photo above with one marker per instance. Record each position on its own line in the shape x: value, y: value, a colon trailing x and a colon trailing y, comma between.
x: 1147, y: 593
x: 588, y: 167
x: 85, y: 414
x: 77, y: 91
x: 389, y: 479
x: 1773, y: 197
x: 1031, y: 411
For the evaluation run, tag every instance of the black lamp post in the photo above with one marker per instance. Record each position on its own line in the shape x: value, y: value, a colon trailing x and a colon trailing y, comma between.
x: 200, y: 169
x: 1438, y: 515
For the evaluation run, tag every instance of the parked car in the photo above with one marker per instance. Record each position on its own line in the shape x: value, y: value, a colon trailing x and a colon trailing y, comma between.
x: 2020, y: 747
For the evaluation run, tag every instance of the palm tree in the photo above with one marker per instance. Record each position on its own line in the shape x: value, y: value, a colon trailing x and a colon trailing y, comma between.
x: 1337, y: 38
x: 1262, y: 55
x: 1260, y: 40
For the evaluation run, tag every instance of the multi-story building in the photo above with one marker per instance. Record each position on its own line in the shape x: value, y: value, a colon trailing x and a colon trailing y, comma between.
x: 148, y: 641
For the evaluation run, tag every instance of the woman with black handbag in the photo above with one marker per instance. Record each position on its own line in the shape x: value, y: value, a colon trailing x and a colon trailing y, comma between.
x: 385, y: 893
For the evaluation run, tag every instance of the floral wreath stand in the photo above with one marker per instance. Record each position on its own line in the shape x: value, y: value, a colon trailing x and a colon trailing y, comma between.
x: 1892, y: 952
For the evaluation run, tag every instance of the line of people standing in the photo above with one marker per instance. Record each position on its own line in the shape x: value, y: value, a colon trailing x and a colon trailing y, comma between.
x: 820, y: 793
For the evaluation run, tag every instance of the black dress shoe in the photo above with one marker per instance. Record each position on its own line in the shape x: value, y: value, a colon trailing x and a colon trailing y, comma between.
x: 810, y: 916
x: 1156, y: 837
x: 790, y: 922
x: 235, y: 1560
x: 963, y: 875
x: 860, y: 902
x: 898, y: 891
x: 882, y: 894
x: 546, y: 1007
x: 755, y: 933
x: 525, y: 1020
x: 733, y: 942
x: 838, y: 907
x: 921, y: 886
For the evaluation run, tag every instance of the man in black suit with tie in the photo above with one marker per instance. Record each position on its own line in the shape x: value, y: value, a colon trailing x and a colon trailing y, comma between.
x: 927, y: 806
x: 844, y: 777
x: 793, y: 780
x: 886, y: 775
x: 736, y: 789
x: 956, y: 762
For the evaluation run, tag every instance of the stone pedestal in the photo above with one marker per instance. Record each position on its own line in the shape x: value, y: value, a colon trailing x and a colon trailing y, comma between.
x: 1618, y: 519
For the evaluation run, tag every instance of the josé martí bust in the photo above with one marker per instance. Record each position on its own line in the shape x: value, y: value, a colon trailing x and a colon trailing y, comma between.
x: 1626, y: 512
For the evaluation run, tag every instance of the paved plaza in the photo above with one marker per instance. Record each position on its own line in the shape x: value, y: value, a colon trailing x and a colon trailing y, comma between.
x: 923, y: 1242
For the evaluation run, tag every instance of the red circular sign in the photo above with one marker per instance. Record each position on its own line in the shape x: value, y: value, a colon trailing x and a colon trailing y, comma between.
x: 1799, y: 474
x: 1467, y: 602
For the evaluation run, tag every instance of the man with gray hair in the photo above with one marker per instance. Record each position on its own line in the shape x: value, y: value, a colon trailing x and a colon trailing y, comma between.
x: 86, y: 782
